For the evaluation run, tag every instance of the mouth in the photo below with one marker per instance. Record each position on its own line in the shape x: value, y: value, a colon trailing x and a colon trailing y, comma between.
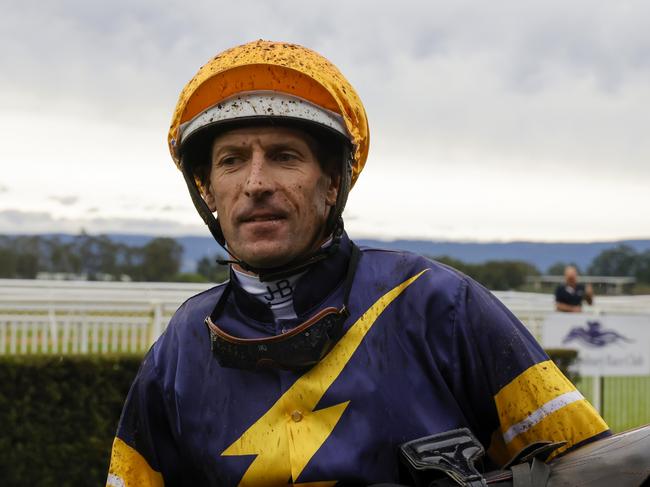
x: 262, y: 217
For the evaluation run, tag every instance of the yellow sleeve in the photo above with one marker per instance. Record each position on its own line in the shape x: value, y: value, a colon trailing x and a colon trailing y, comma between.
x: 129, y: 469
x: 541, y: 404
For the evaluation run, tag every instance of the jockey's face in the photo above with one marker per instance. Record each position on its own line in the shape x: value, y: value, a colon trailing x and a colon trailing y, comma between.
x: 270, y: 193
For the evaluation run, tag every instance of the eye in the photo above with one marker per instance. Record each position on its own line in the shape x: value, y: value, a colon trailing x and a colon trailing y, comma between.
x: 228, y: 160
x: 285, y: 156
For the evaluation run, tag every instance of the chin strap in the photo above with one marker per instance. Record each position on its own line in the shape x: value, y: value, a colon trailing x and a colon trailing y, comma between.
x: 265, y: 274
x: 280, y: 272
x: 202, y: 207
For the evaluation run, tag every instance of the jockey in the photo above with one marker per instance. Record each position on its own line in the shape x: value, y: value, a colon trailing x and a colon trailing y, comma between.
x: 317, y: 359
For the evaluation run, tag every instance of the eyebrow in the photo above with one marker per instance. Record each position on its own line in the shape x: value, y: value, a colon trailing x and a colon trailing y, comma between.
x: 232, y: 147
x: 270, y: 147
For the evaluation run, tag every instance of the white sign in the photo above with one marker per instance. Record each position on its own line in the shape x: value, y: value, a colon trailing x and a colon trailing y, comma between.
x: 607, y: 345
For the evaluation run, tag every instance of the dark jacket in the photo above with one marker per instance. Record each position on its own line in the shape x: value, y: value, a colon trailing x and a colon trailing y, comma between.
x: 425, y: 350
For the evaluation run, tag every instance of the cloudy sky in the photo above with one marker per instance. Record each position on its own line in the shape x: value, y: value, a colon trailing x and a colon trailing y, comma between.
x: 503, y: 120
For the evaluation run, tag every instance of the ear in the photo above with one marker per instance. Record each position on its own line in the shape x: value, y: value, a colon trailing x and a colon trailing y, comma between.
x: 208, y: 197
x: 332, y: 189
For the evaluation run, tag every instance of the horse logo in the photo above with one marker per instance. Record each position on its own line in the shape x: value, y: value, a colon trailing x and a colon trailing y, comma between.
x: 594, y: 335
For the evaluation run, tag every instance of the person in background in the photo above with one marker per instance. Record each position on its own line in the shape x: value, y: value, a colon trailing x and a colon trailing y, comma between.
x: 569, y: 296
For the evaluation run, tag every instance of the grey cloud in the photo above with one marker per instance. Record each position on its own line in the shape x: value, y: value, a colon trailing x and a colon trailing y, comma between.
x: 164, y: 208
x: 139, y: 55
x: 68, y: 200
x: 153, y: 226
x: 13, y: 221
x: 18, y: 222
x: 138, y: 51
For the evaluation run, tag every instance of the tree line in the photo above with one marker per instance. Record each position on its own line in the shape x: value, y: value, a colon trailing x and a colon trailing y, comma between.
x: 160, y: 259
x: 99, y: 258
x: 620, y: 261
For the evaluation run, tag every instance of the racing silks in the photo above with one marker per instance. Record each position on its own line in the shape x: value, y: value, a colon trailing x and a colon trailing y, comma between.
x: 425, y: 350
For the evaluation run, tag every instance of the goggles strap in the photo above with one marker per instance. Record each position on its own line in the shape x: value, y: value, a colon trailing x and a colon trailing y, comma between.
x: 305, y: 345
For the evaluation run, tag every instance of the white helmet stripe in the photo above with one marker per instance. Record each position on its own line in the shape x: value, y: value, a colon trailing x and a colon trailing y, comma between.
x: 263, y: 104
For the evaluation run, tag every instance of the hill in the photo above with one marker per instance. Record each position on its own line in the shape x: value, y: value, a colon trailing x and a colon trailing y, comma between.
x: 540, y: 254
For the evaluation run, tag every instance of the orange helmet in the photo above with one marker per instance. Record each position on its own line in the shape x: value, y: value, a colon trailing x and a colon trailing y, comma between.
x: 265, y: 66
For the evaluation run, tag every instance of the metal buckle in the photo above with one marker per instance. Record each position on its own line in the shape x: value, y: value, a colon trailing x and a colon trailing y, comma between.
x: 453, y: 453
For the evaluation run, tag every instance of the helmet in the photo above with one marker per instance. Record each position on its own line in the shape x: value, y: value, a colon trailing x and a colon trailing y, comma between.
x: 268, y: 82
x: 277, y: 67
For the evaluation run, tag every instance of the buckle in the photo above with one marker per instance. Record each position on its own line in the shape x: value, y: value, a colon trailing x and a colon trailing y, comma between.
x: 453, y: 453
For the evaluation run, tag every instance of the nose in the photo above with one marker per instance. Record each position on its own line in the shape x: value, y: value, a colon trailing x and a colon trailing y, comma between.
x: 259, y: 181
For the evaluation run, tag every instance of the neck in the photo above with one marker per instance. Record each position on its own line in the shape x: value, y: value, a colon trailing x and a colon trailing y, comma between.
x: 325, y: 248
x: 318, y: 281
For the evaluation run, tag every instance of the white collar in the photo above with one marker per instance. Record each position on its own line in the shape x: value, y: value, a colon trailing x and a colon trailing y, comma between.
x: 277, y: 295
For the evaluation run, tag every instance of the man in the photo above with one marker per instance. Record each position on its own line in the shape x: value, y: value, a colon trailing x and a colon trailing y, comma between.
x: 569, y: 297
x: 317, y: 359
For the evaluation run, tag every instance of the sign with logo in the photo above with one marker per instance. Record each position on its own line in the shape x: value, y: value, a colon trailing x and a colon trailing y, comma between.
x: 607, y: 345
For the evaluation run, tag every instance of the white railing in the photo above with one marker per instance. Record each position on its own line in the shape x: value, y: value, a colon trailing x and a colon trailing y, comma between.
x: 105, y: 317
x: 86, y: 317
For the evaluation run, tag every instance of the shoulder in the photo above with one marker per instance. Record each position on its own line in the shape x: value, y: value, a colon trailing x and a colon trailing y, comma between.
x: 457, y: 312
x: 405, y: 261
x: 449, y: 296
x: 438, y: 290
x: 399, y: 265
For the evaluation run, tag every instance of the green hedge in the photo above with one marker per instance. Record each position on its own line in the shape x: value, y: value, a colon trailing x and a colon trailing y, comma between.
x: 58, y: 417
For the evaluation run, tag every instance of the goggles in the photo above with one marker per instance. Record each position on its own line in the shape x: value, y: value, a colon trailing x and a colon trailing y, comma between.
x: 299, y: 348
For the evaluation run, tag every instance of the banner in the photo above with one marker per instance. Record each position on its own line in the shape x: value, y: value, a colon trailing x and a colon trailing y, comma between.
x: 607, y: 345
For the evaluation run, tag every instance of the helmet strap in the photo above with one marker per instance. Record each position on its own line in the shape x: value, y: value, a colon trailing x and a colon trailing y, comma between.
x: 202, y: 207
x: 334, y: 219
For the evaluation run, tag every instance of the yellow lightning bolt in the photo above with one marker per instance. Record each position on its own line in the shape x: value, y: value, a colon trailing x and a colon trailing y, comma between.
x: 283, y: 443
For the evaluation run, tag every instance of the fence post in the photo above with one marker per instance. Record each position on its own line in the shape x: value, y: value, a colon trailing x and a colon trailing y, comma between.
x: 84, y: 334
x: 597, y: 393
x: 65, y: 345
x: 13, y: 337
x: 598, y: 380
x: 54, y: 331
x: 3, y: 337
x: 22, y: 332
x: 157, y: 324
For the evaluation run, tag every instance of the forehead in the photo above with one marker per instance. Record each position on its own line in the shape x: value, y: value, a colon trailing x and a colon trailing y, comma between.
x: 264, y: 135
